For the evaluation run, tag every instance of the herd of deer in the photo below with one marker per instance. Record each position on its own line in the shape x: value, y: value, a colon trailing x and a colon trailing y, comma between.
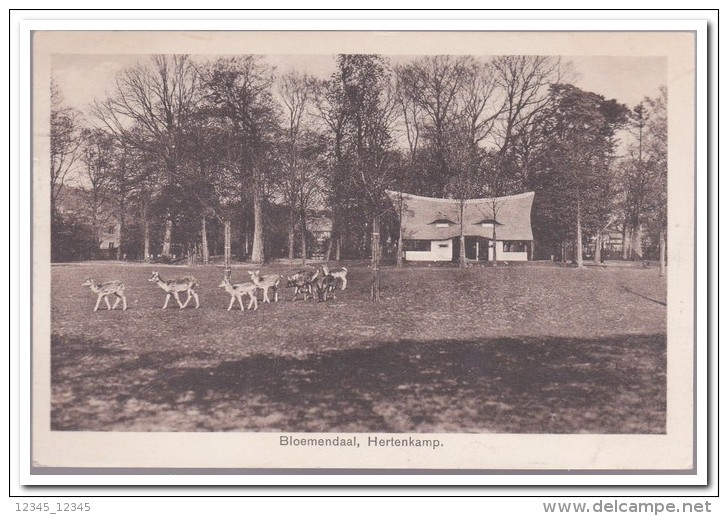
x: 319, y: 284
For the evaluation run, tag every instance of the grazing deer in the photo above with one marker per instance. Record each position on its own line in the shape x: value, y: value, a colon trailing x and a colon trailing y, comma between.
x: 324, y: 284
x: 266, y: 282
x: 337, y: 273
x: 175, y: 286
x: 302, y: 281
x: 104, y: 290
x: 238, y: 290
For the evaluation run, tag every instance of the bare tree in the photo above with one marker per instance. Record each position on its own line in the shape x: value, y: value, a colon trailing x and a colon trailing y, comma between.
x: 478, y: 108
x: 466, y: 182
x: 97, y: 155
x: 298, y: 181
x: 524, y: 81
x: 433, y: 84
x: 240, y: 89
x: 65, y: 143
x: 372, y: 109
x: 152, y: 103
x: 331, y: 110
x: 643, y: 175
x: 411, y: 112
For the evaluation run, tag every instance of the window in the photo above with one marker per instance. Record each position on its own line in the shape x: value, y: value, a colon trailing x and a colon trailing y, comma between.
x: 488, y: 223
x: 442, y: 223
x: 416, y: 245
x: 112, y: 229
x: 514, y: 246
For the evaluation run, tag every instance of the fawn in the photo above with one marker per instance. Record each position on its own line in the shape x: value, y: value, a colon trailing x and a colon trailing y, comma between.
x: 175, y: 286
x: 337, y: 273
x: 303, y: 282
x: 104, y: 290
x: 266, y: 282
x: 238, y: 290
x: 324, y: 284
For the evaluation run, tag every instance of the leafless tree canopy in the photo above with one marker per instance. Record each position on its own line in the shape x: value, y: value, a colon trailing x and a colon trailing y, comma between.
x: 230, y: 141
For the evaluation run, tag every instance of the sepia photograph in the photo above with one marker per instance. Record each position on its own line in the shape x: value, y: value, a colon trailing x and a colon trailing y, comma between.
x: 394, y: 250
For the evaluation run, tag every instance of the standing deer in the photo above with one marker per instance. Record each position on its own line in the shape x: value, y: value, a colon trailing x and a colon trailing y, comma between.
x: 264, y: 283
x: 324, y: 284
x: 175, y: 286
x: 238, y: 290
x: 340, y: 274
x: 104, y: 290
x: 303, y: 282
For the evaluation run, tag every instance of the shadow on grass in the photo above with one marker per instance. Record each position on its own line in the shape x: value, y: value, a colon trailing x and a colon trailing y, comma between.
x: 529, y: 385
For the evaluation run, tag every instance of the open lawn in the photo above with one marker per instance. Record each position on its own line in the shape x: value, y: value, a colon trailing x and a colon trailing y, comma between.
x: 529, y: 349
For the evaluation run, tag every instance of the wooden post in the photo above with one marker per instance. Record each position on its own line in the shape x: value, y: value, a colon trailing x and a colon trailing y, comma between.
x: 375, y: 259
x: 227, y: 250
x: 205, y: 248
x: 579, y: 262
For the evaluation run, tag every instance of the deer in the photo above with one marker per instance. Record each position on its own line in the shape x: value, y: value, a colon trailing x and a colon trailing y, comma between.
x: 324, y: 284
x: 339, y: 273
x: 302, y: 281
x: 266, y: 282
x: 175, y: 286
x: 238, y: 290
x: 104, y: 290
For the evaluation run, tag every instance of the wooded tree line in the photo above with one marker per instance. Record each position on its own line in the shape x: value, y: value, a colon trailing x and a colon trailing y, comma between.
x: 182, y: 152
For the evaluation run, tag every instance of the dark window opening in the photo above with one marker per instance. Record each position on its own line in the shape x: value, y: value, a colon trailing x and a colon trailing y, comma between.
x: 416, y: 245
x: 515, y: 246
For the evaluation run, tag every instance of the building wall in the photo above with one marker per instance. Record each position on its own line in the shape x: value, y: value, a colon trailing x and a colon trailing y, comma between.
x: 440, y: 251
x: 521, y: 256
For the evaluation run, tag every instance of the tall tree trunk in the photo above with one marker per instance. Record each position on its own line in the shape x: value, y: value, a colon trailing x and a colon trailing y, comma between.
x: 122, y: 223
x: 598, y: 249
x: 95, y: 233
x: 146, y: 238
x: 338, y: 247
x: 167, y: 245
x: 257, y: 255
x: 463, y: 258
x: 205, y: 248
x: 246, y: 244
x: 400, y: 242
x: 291, y: 235
x: 662, y: 252
x: 626, y: 238
x: 121, y: 239
x: 304, y: 250
x: 636, y: 246
x: 579, y: 259
x: 400, y: 249
x: 375, y: 259
x: 329, y: 247
x: 495, y: 245
x: 227, y: 251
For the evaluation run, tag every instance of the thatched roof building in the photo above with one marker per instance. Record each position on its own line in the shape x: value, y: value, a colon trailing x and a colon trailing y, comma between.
x: 435, y: 220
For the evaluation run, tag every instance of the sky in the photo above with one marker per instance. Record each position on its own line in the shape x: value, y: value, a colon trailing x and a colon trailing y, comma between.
x: 84, y: 77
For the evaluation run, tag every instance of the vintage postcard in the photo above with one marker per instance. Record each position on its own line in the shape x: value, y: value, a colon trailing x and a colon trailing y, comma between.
x: 363, y: 251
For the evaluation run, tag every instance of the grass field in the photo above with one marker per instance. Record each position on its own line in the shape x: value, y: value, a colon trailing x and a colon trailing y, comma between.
x: 507, y: 349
